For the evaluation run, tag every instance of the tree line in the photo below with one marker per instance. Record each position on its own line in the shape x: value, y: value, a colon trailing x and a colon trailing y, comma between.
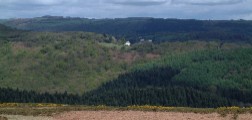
x: 147, y: 87
x: 134, y: 29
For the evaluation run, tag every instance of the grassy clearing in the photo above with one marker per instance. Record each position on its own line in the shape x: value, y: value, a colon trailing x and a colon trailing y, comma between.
x: 52, y: 109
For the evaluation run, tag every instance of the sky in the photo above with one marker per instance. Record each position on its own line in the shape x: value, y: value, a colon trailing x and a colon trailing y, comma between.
x: 181, y: 9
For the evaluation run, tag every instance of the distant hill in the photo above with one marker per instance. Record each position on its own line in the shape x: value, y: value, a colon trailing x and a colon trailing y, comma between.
x: 134, y: 29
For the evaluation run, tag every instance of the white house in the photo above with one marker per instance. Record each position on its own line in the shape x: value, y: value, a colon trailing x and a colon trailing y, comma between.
x: 127, y: 43
x: 141, y: 40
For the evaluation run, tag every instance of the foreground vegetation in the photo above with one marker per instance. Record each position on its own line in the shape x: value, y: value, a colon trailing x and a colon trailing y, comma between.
x: 52, y: 109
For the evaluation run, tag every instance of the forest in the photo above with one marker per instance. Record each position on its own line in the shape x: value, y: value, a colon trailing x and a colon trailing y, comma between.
x: 190, y: 63
x: 199, y: 79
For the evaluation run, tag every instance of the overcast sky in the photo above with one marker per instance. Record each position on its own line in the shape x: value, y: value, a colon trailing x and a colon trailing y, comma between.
x: 183, y: 9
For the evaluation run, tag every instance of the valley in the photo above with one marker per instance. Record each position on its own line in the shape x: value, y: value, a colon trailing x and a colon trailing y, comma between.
x: 93, y: 68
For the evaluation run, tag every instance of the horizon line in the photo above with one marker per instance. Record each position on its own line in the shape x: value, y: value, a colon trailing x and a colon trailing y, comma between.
x: 133, y: 17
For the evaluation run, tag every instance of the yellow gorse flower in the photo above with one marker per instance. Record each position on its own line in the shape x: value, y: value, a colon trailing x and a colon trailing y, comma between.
x: 148, y: 107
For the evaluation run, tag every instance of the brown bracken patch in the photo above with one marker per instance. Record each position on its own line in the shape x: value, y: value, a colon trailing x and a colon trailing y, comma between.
x: 141, y: 115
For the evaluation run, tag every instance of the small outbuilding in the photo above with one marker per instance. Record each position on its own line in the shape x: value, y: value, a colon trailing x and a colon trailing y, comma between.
x: 127, y: 43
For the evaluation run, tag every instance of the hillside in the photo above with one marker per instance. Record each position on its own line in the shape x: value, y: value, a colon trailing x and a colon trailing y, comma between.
x: 199, y: 79
x: 43, y: 61
x: 134, y: 29
x: 79, y: 61
x: 193, y: 73
x: 202, y: 79
x: 68, y: 61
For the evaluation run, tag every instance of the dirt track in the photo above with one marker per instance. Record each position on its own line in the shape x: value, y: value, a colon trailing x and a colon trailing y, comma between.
x: 129, y: 115
x: 138, y: 115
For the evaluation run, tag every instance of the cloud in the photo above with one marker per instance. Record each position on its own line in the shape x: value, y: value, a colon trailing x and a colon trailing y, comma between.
x: 207, y: 2
x: 184, y: 9
x: 138, y: 2
x: 248, y: 17
x: 32, y: 2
